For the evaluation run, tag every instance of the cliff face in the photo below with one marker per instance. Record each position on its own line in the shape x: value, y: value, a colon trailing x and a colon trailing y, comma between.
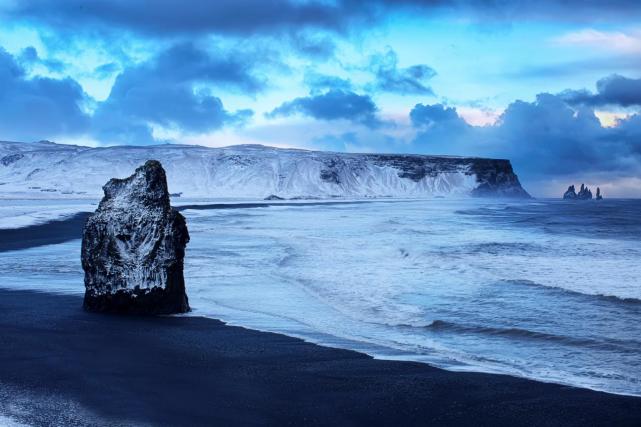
x: 496, y: 178
x: 251, y: 171
x: 133, y: 248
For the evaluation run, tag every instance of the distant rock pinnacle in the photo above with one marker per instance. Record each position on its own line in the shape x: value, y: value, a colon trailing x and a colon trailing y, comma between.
x: 133, y: 248
x: 583, y: 194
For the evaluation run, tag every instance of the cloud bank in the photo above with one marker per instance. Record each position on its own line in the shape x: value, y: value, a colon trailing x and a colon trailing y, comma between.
x: 614, y: 90
x: 544, y: 138
x: 172, y: 90
x: 249, y: 17
x: 35, y: 107
x: 335, y: 104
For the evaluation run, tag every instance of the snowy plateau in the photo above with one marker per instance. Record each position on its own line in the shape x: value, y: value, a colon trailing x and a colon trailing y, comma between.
x: 49, y: 170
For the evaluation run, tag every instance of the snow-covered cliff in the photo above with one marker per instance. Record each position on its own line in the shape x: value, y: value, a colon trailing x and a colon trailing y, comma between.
x: 45, y: 169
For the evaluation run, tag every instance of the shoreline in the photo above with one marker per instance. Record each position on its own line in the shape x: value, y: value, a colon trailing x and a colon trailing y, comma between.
x: 189, y: 370
x: 69, y: 228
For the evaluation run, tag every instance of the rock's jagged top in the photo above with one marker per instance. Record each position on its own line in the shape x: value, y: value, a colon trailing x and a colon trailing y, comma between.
x: 145, y: 189
x: 133, y: 247
x: 584, y: 193
x: 570, y: 193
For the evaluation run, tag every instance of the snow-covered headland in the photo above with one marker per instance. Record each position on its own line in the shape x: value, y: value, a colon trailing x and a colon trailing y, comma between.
x: 48, y: 170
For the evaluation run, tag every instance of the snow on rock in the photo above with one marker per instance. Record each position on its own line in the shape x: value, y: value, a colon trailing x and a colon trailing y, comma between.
x: 48, y: 170
x: 133, y: 247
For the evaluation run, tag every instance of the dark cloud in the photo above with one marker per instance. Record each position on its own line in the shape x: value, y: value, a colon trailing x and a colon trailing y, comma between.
x: 405, y: 81
x: 545, y: 10
x: 435, y: 115
x: 172, y: 90
x: 544, y: 138
x: 163, y: 91
x: 388, y: 77
x: 439, y: 127
x: 249, y: 17
x: 314, y: 45
x: 38, y: 108
x: 189, y: 63
x: 334, y: 104
x: 170, y: 17
x: 551, y: 138
x: 322, y: 82
x: 613, y: 90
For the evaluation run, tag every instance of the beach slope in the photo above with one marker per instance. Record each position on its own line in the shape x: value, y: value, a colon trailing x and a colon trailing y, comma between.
x: 60, y: 365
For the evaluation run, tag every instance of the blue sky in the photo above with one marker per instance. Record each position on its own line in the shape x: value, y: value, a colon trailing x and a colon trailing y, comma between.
x: 553, y: 85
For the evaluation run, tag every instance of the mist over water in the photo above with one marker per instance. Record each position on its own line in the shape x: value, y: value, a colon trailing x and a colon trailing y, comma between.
x: 542, y: 289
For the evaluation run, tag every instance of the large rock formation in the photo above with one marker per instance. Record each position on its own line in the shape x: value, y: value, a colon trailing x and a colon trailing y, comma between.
x: 570, y: 194
x: 253, y: 172
x: 583, y: 194
x: 133, y: 248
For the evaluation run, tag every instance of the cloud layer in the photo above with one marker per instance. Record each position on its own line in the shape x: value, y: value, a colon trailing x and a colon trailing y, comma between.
x: 172, y: 90
x: 33, y: 108
x: 404, y: 81
x: 162, y: 92
x: 614, y: 90
x: 249, y: 17
x: 545, y: 138
x: 335, y: 104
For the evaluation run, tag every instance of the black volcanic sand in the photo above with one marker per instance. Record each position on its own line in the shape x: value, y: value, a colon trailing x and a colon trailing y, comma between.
x: 67, y: 367
x: 49, y: 233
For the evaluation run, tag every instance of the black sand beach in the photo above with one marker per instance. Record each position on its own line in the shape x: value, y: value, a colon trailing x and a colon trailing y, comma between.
x: 85, y: 369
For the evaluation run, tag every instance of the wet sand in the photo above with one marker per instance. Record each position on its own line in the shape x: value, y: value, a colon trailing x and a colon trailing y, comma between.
x: 63, y: 366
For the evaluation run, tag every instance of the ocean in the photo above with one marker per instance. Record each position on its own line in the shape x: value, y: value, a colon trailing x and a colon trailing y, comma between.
x: 543, y: 289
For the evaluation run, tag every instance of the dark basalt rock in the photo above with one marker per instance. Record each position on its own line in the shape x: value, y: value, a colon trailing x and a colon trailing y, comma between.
x: 598, y: 194
x: 583, y: 194
x: 133, y: 248
x: 329, y: 175
x: 570, y: 194
x: 11, y: 158
x: 495, y: 177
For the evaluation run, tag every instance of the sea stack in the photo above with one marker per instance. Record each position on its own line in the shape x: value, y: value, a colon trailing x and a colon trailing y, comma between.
x: 133, y: 248
x: 583, y: 194
x: 570, y: 194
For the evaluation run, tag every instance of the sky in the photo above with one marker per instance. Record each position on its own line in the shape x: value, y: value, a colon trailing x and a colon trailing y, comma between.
x: 552, y: 85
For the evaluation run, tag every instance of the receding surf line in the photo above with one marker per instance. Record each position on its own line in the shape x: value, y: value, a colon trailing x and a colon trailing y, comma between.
x: 609, y: 298
x: 526, y: 334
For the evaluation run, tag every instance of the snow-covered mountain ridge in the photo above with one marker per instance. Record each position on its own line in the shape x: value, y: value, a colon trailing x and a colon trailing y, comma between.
x: 46, y: 169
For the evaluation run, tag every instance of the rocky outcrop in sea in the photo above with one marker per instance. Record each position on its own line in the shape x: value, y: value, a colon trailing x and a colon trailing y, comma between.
x: 583, y: 194
x: 133, y: 248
